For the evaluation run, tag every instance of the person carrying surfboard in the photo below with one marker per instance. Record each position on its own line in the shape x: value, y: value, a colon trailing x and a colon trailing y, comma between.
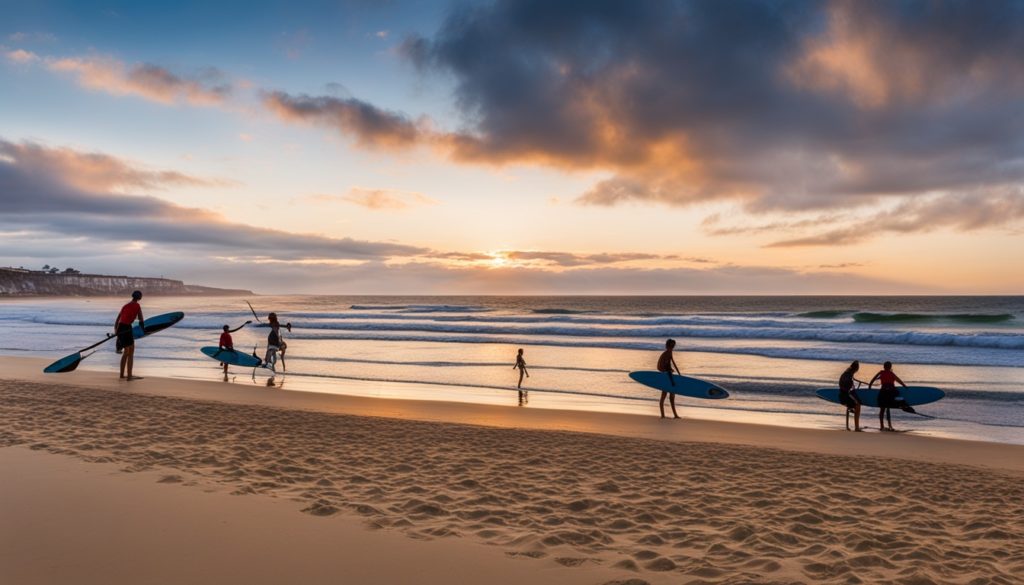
x: 275, y: 342
x: 887, y: 394
x: 227, y: 343
x: 665, y: 364
x: 123, y: 330
x: 848, y: 395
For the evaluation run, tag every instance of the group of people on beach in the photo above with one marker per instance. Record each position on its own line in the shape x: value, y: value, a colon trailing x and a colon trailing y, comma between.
x: 132, y: 311
x: 888, y: 396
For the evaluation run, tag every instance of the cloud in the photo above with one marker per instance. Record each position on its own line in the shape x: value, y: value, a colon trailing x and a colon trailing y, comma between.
x: 776, y: 105
x: 386, y: 199
x: 371, y: 126
x: 45, y: 192
x: 94, y: 171
x: 957, y: 212
x: 31, y: 37
x: 21, y: 56
x: 429, y: 278
x: 207, y: 87
x: 568, y: 259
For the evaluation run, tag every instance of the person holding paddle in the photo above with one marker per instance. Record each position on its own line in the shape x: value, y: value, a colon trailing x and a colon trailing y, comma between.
x: 125, y: 338
x: 275, y: 342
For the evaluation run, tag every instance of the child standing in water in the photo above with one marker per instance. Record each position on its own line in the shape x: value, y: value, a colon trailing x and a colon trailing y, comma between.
x: 665, y: 364
x: 887, y: 394
x: 521, y: 366
x: 228, y: 344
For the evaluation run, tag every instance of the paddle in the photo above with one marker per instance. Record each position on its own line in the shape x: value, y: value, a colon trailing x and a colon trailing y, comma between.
x: 70, y: 363
x: 253, y: 312
x: 153, y: 325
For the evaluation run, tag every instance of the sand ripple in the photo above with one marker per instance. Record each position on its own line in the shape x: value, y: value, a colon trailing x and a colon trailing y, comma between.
x: 702, y: 513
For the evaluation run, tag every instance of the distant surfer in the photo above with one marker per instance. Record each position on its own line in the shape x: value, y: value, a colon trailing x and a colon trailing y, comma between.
x: 848, y: 394
x: 125, y: 338
x: 275, y: 342
x: 521, y: 366
x: 228, y: 344
x: 887, y: 394
x: 665, y: 364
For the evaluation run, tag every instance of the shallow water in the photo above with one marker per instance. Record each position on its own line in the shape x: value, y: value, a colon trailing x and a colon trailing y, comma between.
x: 770, y: 352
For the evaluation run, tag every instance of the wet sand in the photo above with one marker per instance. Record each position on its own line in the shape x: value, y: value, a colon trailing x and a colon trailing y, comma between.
x: 656, y: 501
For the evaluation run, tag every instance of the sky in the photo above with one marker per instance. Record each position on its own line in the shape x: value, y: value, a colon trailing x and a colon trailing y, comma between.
x: 519, y: 147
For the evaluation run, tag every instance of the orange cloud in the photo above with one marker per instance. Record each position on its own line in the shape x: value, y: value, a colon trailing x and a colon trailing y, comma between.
x: 377, y: 199
x: 152, y: 82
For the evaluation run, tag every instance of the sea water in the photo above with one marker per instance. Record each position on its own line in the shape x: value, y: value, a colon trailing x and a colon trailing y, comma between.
x: 771, y: 353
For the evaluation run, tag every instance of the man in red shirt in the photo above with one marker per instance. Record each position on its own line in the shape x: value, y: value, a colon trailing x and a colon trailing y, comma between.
x: 125, y: 338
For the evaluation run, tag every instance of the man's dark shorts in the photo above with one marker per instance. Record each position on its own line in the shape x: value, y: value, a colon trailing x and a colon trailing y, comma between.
x: 125, y: 338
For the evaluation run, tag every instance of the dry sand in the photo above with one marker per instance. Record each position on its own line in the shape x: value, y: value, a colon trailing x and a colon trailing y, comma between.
x: 599, y: 508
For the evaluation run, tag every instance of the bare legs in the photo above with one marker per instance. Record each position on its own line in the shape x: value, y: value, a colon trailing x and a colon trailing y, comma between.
x: 672, y: 401
x: 127, y: 361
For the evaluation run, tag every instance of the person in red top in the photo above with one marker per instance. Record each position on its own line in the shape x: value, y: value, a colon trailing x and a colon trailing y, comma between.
x: 887, y: 394
x: 125, y: 338
x: 228, y: 344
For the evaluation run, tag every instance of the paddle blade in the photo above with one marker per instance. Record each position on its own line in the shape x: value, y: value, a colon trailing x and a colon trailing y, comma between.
x: 65, y: 364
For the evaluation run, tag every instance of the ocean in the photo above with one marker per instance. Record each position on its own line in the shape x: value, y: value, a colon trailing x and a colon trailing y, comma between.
x: 771, y: 353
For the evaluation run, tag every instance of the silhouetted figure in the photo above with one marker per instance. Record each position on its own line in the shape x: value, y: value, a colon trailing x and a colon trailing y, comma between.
x: 521, y: 366
x: 125, y: 338
x: 848, y: 395
x: 887, y: 394
x: 665, y: 364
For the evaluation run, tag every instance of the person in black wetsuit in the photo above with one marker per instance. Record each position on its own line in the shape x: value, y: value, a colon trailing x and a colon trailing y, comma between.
x: 848, y: 394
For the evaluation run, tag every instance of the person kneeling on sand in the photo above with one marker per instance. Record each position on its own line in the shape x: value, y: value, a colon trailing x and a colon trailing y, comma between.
x: 888, y: 395
x: 848, y: 394
x: 665, y: 364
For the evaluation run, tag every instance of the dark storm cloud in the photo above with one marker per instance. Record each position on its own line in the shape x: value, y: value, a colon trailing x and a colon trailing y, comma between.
x: 53, y: 202
x: 781, y: 105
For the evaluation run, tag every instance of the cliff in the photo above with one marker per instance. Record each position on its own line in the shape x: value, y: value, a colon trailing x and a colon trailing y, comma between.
x: 24, y: 283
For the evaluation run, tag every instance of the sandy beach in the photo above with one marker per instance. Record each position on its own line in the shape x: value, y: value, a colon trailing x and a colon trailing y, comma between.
x: 117, y: 482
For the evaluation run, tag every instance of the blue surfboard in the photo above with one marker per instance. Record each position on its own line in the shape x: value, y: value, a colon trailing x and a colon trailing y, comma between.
x: 685, y: 385
x: 232, y: 357
x: 912, y: 395
x: 153, y: 325
x: 158, y: 323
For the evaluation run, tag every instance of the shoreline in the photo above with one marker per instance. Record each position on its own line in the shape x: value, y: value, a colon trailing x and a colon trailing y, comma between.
x: 560, y: 496
x: 1002, y: 456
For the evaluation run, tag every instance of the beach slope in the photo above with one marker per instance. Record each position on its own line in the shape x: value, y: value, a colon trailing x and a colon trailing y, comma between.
x: 638, y: 503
